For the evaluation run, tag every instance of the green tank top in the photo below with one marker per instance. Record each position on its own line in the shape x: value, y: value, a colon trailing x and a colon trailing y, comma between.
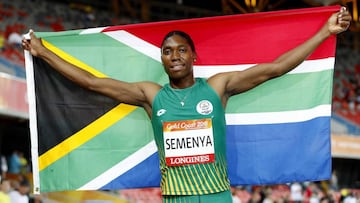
x: 189, y: 129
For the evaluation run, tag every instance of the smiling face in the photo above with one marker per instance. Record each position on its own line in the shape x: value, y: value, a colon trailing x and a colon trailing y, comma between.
x: 178, y: 57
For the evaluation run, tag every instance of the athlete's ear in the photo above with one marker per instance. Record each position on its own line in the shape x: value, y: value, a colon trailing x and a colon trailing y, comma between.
x: 194, y: 57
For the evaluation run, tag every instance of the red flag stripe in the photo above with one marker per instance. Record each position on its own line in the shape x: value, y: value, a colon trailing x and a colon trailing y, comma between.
x: 216, y: 46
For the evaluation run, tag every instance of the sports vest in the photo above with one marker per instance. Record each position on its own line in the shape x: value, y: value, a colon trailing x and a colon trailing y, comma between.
x: 189, y: 129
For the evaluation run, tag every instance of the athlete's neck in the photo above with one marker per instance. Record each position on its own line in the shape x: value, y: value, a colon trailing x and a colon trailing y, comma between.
x: 182, y: 83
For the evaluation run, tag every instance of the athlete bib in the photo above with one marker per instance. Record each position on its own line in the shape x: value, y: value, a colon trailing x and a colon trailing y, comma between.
x: 188, y: 142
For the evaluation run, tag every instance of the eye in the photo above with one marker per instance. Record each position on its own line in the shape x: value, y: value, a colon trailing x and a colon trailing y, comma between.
x: 166, y: 52
x: 182, y: 50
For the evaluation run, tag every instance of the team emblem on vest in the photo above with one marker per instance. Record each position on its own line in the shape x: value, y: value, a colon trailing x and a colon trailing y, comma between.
x: 204, y: 107
x: 161, y: 112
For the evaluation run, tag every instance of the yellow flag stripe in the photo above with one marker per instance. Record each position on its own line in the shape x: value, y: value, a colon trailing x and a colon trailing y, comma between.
x: 90, y: 131
x: 84, y: 135
x: 72, y: 59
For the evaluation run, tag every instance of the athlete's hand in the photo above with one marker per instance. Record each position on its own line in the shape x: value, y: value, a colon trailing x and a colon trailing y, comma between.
x: 339, y: 22
x: 32, y: 44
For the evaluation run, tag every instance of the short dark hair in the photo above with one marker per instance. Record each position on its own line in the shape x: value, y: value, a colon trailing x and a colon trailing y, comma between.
x: 181, y: 34
x: 24, y: 183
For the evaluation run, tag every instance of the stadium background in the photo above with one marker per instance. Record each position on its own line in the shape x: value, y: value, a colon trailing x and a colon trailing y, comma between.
x: 17, y: 16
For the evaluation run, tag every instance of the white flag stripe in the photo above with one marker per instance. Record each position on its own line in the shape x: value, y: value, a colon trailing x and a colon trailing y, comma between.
x: 32, y: 120
x: 206, y: 71
x: 92, y: 30
x: 121, y: 168
x: 231, y: 119
x: 305, y: 67
x: 278, y: 117
x: 136, y: 43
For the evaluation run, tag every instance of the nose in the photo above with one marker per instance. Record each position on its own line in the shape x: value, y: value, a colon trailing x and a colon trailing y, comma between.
x: 175, y: 55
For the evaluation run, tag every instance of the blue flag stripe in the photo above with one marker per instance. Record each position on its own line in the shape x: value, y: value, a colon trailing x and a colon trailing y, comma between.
x: 299, y: 151
x: 309, y: 148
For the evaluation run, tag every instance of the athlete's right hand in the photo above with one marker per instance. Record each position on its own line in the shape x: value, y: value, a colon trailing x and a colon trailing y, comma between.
x: 33, y: 44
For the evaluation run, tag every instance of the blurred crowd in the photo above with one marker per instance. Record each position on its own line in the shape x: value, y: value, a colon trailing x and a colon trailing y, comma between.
x: 346, y: 89
x: 15, y: 179
x: 18, y: 16
x: 306, y: 192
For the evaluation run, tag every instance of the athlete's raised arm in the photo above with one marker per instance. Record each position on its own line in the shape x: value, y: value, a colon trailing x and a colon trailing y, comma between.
x: 139, y: 93
x: 231, y: 83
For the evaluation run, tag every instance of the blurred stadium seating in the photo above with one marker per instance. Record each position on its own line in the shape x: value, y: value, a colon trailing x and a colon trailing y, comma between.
x: 346, y: 89
x: 18, y: 16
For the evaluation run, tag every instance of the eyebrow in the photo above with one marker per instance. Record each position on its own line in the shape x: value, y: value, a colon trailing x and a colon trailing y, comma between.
x: 179, y: 46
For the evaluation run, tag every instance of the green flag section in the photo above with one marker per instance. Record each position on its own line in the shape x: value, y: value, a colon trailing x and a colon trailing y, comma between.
x: 278, y: 132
